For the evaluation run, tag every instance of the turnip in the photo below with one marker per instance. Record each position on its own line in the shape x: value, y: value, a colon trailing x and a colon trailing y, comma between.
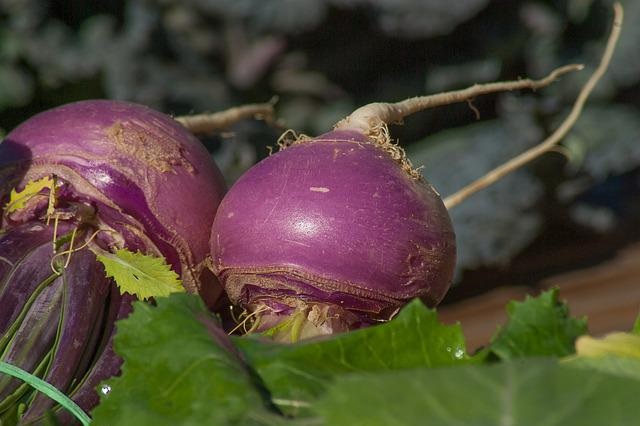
x: 339, y: 231
x: 83, y: 180
x: 141, y: 174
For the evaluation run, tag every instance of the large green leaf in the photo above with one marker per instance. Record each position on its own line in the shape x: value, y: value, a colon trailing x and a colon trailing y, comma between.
x: 515, y: 393
x: 296, y: 374
x: 539, y: 326
x: 615, y: 365
x: 179, y: 370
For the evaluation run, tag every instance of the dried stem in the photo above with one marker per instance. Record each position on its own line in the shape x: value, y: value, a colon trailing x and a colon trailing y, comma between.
x: 252, y: 316
x: 210, y: 123
x: 549, y: 143
x: 369, y: 116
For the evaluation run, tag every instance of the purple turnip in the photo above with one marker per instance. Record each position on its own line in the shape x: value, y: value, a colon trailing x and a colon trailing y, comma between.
x: 339, y: 231
x: 99, y: 176
x: 331, y: 234
x: 139, y: 172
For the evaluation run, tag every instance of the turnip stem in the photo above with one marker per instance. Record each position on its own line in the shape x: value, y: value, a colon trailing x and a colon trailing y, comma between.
x: 564, y: 128
x: 369, y: 116
x: 210, y: 123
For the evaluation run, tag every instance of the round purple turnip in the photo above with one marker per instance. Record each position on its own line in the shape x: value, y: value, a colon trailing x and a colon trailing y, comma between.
x: 331, y: 234
x: 120, y: 176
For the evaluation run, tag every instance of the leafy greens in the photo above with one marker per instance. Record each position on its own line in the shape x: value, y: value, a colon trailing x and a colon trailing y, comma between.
x: 180, y: 369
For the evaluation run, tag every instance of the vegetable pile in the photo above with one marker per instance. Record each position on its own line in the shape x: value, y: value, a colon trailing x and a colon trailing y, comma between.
x: 104, y: 202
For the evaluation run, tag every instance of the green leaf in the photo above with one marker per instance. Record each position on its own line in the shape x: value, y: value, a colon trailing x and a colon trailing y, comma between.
x: 296, y: 374
x: 139, y: 274
x: 539, y: 326
x: 516, y: 393
x: 620, y: 344
x: 636, y: 326
x: 615, y: 365
x: 179, y: 369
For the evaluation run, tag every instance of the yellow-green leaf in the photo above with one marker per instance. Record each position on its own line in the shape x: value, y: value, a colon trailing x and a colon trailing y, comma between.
x: 616, y: 353
x: 618, y: 344
x: 139, y: 274
x: 18, y: 200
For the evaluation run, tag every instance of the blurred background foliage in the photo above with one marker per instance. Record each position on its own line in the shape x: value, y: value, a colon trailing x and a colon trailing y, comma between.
x: 323, y: 58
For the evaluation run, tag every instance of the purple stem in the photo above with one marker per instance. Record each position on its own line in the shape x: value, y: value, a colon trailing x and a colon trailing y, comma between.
x: 86, y: 292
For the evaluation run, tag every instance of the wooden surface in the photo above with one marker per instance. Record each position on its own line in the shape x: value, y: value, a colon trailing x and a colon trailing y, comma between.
x: 607, y: 293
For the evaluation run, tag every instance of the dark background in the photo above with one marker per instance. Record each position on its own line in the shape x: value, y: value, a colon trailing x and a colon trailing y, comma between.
x: 323, y: 58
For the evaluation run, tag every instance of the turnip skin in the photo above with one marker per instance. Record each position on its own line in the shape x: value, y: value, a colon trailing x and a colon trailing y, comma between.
x: 333, y: 221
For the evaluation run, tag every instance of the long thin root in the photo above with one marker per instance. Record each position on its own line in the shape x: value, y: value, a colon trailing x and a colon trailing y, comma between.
x: 549, y: 143
x: 369, y: 116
